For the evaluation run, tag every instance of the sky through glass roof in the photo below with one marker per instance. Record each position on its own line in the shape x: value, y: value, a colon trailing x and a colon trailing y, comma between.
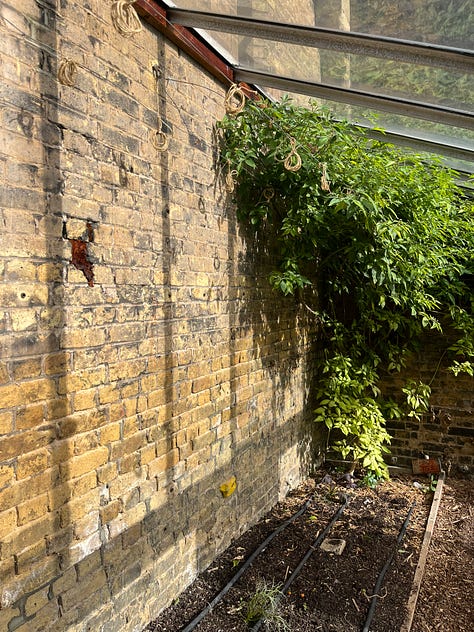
x: 407, y: 67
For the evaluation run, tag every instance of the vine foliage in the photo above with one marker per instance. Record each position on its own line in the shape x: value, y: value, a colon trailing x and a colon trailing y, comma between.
x: 383, y: 238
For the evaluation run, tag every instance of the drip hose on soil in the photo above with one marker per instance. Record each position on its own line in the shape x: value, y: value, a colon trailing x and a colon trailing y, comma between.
x: 380, y: 578
x: 244, y: 567
x: 307, y: 555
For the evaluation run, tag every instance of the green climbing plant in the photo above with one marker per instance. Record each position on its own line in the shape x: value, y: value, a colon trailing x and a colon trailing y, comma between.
x: 383, y: 238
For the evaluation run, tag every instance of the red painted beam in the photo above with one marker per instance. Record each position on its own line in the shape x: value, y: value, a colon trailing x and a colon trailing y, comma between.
x: 155, y: 15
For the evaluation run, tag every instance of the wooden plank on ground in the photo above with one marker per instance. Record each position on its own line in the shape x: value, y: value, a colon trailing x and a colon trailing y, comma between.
x: 420, y: 569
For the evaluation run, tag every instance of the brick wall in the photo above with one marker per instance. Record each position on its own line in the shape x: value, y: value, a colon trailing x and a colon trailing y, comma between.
x: 144, y: 360
x: 446, y: 431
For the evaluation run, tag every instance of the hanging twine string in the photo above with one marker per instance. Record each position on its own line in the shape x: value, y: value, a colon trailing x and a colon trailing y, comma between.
x: 159, y: 139
x: 229, y: 178
x: 324, y: 177
x: 125, y: 18
x: 293, y: 161
x: 67, y: 71
x: 234, y: 93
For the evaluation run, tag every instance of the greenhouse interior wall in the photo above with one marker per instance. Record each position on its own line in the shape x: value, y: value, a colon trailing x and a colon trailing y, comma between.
x: 446, y: 430
x: 145, y: 360
x: 155, y: 393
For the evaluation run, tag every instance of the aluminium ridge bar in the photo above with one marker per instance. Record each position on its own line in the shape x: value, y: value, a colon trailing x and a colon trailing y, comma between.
x: 404, y: 107
x: 455, y: 59
x: 421, y: 144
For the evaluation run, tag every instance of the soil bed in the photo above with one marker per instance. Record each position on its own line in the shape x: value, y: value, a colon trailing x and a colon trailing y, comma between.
x: 446, y: 600
x: 333, y: 593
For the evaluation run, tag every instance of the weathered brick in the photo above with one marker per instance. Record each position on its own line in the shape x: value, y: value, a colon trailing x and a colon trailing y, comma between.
x: 110, y: 511
x: 48, y: 272
x: 32, y: 509
x: 30, y: 534
x: 86, y: 526
x: 35, y: 390
x: 24, y: 319
x: 65, y: 582
x: 23, y: 295
x: 7, y: 475
x: 36, y: 601
x: 33, y: 463
x: 77, y: 339
x: 86, y: 441
x: 47, y: 616
x: 30, y: 555
x: 7, y: 615
x: 29, y: 417
x: 85, y: 400
x: 80, y: 380
x: 57, y: 363
x: 14, y: 445
x: 10, y: 396
x: 121, y: 399
x: 107, y: 473
x: 87, y: 462
x: 28, y: 368
x: 83, y: 421
x: 128, y: 446
x: 4, y: 377
x: 78, y: 507
x: 6, y: 424
x: 8, y: 521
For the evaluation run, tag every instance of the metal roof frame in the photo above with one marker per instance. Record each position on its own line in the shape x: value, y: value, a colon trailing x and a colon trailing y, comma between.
x: 460, y: 60
x: 404, y: 107
x: 400, y: 50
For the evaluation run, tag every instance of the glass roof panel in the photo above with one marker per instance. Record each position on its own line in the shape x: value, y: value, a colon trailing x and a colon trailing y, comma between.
x: 361, y: 72
x: 407, y: 66
x: 447, y: 22
x: 455, y: 142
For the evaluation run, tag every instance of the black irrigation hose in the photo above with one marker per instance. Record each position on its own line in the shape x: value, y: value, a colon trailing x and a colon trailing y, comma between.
x: 380, y: 578
x: 306, y: 557
x: 244, y: 567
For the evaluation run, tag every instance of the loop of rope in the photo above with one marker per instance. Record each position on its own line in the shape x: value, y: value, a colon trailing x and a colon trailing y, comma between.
x: 324, y: 177
x: 293, y: 161
x: 125, y: 18
x: 67, y: 71
x: 268, y: 193
x: 160, y: 140
x: 229, y: 178
x: 234, y: 92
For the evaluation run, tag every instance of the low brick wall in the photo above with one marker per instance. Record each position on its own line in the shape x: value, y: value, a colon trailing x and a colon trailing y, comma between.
x: 446, y: 431
x: 144, y: 360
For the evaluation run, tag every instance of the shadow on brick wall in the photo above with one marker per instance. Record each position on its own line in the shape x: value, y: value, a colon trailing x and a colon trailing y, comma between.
x: 89, y: 569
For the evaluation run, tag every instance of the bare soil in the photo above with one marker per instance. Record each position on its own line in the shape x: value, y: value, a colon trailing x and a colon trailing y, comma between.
x: 446, y: 601
x: 333, y: 593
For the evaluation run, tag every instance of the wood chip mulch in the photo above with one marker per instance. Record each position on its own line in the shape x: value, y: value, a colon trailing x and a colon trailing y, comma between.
x: 333, y: 593
x: 446, y: 600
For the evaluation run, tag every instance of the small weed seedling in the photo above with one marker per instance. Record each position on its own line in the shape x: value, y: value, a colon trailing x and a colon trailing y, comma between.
x: 433, y: 483
x: 331, y: 493
x: 370, y: 480
x: 264, y: 604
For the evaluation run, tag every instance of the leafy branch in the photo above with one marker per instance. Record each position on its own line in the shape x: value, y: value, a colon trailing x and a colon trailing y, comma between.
x: 386, y: 238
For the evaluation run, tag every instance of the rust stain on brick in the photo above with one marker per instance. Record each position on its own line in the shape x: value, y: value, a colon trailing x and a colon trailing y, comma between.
x: 80, y: 259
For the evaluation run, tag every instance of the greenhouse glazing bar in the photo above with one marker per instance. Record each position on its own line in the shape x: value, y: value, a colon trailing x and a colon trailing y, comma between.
x: 420, y: 144
x: 404, y: 107
x: 455, y: 59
